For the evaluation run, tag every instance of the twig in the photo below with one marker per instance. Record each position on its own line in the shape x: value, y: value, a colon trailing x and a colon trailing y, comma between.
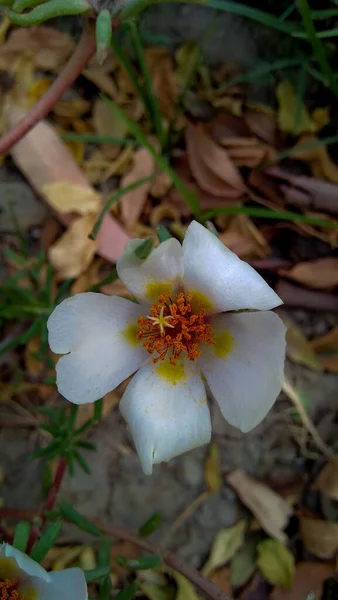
x: 292, y: 394
x: 184, y: 516
x: 207, y: 587
x: 297, y: 297
x: 83, y: 53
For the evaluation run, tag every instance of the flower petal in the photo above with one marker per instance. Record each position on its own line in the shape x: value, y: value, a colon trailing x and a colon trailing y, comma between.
x: 69, y: 584
x: 166, y: 409
x: 147, y: 279
x: 245, y: 368
x: 227, y: 282
x: 100, y: 333
x: 24, y: 562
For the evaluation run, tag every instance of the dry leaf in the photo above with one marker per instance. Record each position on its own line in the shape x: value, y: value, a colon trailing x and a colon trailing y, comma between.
x: 102, y: 80
x: 322, y: 166
x: 244, y: 238
x: 327, y: 480
x: 107, y: 122
x: 261, y: 121
x: 247, y: 152
x: 116, y: 288
x: 160, y: 185
x: 211, y: 165
x: 132, y: 202
x: 329, y: 341
x: 269, y: 508
x: 127, y: 550
x: 309, y: 577
x: 319, y: 274
x: 225, y: 545
x: 212, y: 469
x: 221, y: 578
x: 49, y: 47
x: 66, y: 197
x: 319, y: 537
x: 161, y: 67
x: 185, y: 589
x: 276, y: 563
x: 293, y: 118
x: 74, y: 251
x: 329, y: 363
x: 298, y: 349
x: 89, y: 278
x: 33, y: 365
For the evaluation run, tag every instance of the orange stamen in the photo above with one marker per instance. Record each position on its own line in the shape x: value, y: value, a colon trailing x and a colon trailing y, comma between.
x: 8, y: 590
x: 172, y: 328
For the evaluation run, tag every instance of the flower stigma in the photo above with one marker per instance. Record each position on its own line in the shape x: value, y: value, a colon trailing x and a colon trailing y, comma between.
x: 173, y: 328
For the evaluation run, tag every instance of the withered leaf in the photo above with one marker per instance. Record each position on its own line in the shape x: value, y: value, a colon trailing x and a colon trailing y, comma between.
x: 73, y: 252
x: 66, y: 197
x: 319, y: 537
x: 318, y: 274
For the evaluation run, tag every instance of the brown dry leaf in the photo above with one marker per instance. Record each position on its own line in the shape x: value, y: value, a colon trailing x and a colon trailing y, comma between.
x: 261, y: 121
x: 72, y: 108
x: 116, y: 288
x: 161, y: 67
x: 73, y: 252
x: 290, y: 118
x: 132, y: 202
x: 298, y: 348
x: 309, y: 577
x: 66, y: 197
x: 247, y: 152
x: 101, y: 79
x: 327, y: 481
x: 90, y: 277
x: 321, y: 164
x: 127, y: 550
x: 211, y: 165
x: 212, y: 469
x: 160, y: 185
x: 33, y: 366
x: 319, y: 537
x: 244, y: 238
x: 164, y: 211
x: 50, y: 47
x: 320, y: 274
x: 329, y: 363
x: 329, y: 341
x: 221, y: 578
x: 269, y: 508
x: 107, y: 122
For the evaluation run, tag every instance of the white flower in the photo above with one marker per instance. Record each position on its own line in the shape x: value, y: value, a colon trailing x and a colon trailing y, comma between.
x: 177, y: 337
x: 21, y: 578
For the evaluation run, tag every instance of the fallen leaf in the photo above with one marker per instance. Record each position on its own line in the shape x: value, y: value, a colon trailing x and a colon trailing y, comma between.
x: 102, y: 80
x: 298, y: 349
x: 107, y: 122
x: 318, y: 157
x: 262, y: 122
x: 247, y: 152
x: 66, y: 197
x: 319, y: 274
x: 160, y: 185
x: 269, y: 508
x: 293, y: 117
x: 244, y: 238
x: 329, y: 341
x: 276, y: 563
x: 161, y: 68
x: 224, y: 546
x: 187, y: 56
x: 309, y: 577
x: 72, y: 108
x: 127, y: 550
x: 33, y: 365
x: 73, y: 252
x: 49, y: 47
x: 211, y: 165
x: 319, y: 537
x: 243, y: 564
x: 329, y: 363
x: 327, y: 481
x: 156, y: 592
x: 132, y: 202
x: 185, y: 589
x: 87, y: 279
x: 212, y: 469
x: 221, y: 578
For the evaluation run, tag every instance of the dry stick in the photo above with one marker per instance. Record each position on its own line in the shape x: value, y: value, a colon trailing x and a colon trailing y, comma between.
x: 83, y: 53
x: 210, y: 590
x: 184, y: 516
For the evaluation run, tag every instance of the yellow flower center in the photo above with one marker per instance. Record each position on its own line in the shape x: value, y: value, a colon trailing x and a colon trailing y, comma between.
x: 9, y: 590
x: 174, y: 328
x: 12, y: 582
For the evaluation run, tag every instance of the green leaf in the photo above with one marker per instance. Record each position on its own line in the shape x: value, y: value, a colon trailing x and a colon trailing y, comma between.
x: 105, y: 589
x: 243, y: 563
x: 276, y: 563
x: 95, y: 574
x: 69, y: 513
x: 266, y: 213
x: 127, y: 593
x: 162, y: 233
x: 46, y: 541
x: 144, y: 249
x: 185, y: 589
x: 156, y: 592
x: 150, y: 525
x: 82, y: 462
x: 21, y: 536
x: 98, y: 410
x: 254, y: 14
x: 145, y: 562
x: 225, y: 545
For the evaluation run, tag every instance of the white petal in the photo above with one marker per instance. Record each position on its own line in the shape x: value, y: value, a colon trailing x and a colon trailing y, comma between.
x: 64, y: 585
x: 147, y: 279
x: 245, y: 368
x: 167, y: 412
x: 227, y: 282
x: 24, y: 562
x: 99, y: 332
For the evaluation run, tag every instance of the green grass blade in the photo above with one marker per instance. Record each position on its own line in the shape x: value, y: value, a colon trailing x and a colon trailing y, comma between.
x: 189, y: 196
x: 266, y: 213
x: 94, y: 138
x: 115, y: 198
x: 254, y: 14
x: 318, y: 48
x: 252, y: 75
x: 333, y: 139
x: 130, y: 70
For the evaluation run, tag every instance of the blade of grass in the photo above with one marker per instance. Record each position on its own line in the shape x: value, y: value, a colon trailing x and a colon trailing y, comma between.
x: 266, y: 213
x: 252, y: 75
x: 97, y: 139
x: 254, y: 14
x: 155, y: 114
x: 318, y: 48
x: 187, y: 195
x: 288, y: 11
x: 113, y: 199
x: 301, y: 87
x: 333, y: 139
x: 109, y: 279
x: 326, y: 34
